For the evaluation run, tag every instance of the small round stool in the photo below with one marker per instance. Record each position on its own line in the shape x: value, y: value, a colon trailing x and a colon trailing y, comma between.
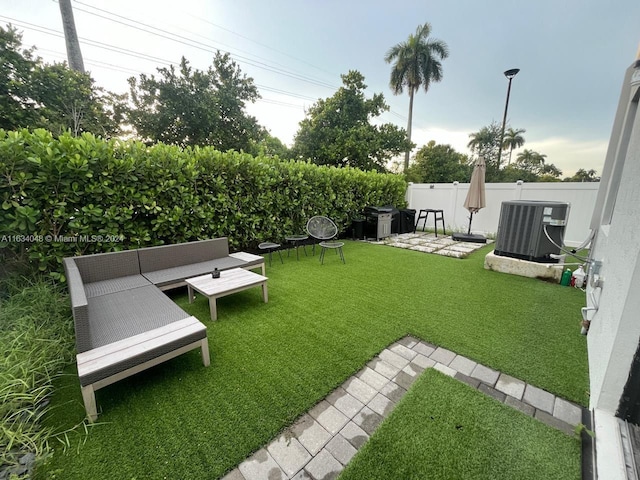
x: 270, y: 247
x: 337, y: 246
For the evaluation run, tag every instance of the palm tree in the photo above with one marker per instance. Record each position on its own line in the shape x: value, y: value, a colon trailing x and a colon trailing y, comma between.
x: 513, y: 139
x: 531, y: 161
x: 417, y: 64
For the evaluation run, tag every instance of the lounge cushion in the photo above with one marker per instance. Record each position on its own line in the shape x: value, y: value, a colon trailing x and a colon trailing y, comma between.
x: 173, y: 275
x: 105, y: 266
x: 105, y: 287
x: 169, y: 256
x: 120, y: 315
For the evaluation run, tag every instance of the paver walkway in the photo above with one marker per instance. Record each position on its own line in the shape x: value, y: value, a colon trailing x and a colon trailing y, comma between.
x: 428, y: 243
x: 322, y: 441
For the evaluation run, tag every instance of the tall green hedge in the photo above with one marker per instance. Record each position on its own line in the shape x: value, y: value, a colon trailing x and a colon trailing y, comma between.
x: 78, y: 195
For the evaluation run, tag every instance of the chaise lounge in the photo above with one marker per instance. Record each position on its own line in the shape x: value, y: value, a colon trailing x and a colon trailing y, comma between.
x: 124, y: 323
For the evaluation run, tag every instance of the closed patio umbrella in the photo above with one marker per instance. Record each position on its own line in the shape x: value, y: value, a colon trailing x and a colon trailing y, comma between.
x: 475, y: 201
x: 475, y: 196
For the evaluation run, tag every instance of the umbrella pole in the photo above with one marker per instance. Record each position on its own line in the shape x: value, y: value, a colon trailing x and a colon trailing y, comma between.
x: 470, y: 218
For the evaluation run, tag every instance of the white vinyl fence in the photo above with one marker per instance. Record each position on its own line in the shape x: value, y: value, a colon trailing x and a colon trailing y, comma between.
x: 450, y: 197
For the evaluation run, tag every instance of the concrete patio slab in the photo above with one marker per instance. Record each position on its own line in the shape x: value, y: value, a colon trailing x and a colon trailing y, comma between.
x: 360, y: 390
x: 567, y: 412
x: 383, y: 368
x: 373, y: 378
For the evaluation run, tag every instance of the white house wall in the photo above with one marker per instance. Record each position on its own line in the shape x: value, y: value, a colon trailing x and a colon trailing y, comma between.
x: 450, y: 198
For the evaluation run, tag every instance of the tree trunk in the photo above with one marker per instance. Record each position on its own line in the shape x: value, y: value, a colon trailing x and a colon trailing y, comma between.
x: 408, y: 152
x: 74, y: 55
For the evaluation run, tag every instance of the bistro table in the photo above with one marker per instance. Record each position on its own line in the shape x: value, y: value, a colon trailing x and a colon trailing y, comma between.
x: 296, y: 241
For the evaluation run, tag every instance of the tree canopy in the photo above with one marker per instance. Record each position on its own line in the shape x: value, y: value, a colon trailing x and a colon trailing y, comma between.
x: 338, y: 130
x: 187, y: 106
x: 417, y: 64
x: 34, y: 94
x: 435, y: 163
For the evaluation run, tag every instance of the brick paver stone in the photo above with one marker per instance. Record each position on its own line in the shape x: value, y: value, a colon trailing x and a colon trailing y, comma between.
x: 359, y: 389
x: 424, y: 349
x: 463, y: 365
x: 383, y: 368
x: 404, y: 379
x: 413, y: 369
x: 472, y: 382
x: 381, y: 405
x: 373, y: 378
x: 289, y: 454
x: 393, y: 392
x: 261, y: 466
x: 341, y: 449
x: 567, y: 412
x: 423, y: 361
x: 368, y: 420
x: 444, y: 369
x: 403, y: 351
x: 408, y: 342
x: 554, y: 422
x: 485, y: 374
x: 329, y: 417
x: 354, y: 435
x: 345, y: 402
x: 302, y: 475
x: 310, y: 433
x: 443, y: 356
x: 233, y: 475
x: 518, y: 405
x: 324, y: 466
x: 393, y: 358
x: 539, y: 398
x: 511, y: 386
x: 492, y: 392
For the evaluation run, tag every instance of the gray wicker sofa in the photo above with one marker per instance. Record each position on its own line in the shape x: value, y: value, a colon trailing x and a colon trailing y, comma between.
x: 124, y: 323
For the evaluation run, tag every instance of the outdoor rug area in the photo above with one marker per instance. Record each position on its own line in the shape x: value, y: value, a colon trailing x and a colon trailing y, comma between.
x: 428, y: 243
x: 323, y: 441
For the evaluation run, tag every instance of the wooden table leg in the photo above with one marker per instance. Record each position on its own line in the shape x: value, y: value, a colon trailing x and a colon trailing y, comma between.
x: 265, y: 293
x: 212, y: 308
x: 190, y: 290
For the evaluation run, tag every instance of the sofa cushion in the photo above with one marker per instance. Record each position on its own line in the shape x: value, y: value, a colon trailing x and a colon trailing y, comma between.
x: 170, y: 256
x: 179, y: 274
x: 115, y: 285
x: 120, y: 315
x: 105, y: 266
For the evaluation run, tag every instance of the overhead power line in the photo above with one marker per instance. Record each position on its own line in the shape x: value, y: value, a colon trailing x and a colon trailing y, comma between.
x: 159, y: 32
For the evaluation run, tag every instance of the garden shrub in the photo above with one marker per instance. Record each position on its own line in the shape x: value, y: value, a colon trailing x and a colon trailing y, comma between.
x: 78, y: 195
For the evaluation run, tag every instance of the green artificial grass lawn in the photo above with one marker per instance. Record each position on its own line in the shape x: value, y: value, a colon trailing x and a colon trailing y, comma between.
x: 272, y: 362
x: 444, y: 429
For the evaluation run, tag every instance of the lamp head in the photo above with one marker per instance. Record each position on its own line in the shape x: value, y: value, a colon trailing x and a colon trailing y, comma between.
x: 511, y: 73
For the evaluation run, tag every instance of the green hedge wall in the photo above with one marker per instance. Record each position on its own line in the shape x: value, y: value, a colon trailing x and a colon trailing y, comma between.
x: 78, y: 195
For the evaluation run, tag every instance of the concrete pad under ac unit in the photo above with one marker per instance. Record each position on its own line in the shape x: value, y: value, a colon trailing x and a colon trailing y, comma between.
x: 524, y: 268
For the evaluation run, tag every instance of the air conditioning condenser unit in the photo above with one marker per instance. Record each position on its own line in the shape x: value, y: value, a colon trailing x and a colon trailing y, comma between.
x: 522, y: 226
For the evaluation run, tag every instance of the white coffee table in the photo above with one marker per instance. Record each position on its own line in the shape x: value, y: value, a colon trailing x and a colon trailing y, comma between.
x: 230, y: 281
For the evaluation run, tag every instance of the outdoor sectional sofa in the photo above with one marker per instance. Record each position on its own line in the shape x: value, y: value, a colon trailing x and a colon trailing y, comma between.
x: 124, y: 323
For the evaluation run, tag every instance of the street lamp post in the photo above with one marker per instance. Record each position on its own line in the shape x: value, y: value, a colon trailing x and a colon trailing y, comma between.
x: 509, y: 74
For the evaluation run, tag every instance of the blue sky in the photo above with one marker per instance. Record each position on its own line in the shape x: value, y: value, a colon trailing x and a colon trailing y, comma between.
x: 572, y: 55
